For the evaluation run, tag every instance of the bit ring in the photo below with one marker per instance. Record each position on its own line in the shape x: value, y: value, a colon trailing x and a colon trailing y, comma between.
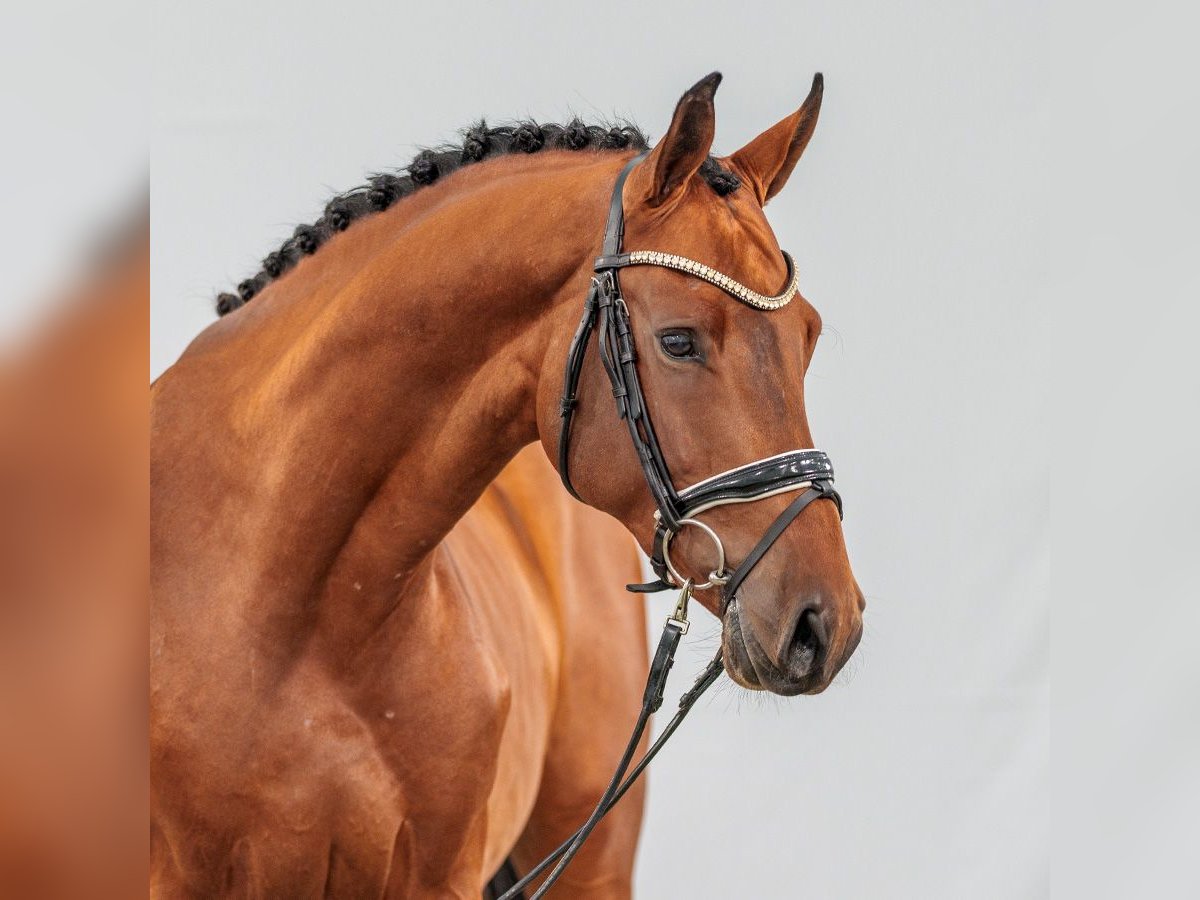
x: 716, y: 577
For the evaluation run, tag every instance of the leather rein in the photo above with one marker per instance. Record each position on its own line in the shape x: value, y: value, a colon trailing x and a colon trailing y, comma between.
x: 808, y: 471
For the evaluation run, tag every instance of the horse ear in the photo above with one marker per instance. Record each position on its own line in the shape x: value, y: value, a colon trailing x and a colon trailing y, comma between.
x: 685, y: 147
x: 768, y: 160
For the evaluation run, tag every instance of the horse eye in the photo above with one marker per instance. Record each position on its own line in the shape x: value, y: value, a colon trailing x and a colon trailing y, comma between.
x: 678, y: 344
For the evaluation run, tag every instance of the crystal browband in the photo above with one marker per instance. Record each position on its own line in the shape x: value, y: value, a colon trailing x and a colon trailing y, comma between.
x: 735, y: 289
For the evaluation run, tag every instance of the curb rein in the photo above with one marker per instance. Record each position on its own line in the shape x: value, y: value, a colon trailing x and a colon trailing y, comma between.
x: 809, y: 471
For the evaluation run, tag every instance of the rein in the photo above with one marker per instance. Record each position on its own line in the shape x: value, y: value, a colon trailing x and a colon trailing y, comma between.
x: 606, y: 313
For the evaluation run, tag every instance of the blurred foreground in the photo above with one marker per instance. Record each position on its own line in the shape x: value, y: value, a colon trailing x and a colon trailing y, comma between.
x: 74, y: 522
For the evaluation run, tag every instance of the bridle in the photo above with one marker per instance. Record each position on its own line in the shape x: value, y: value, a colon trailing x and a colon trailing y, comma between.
x: 808, y: 471
x: 606, y: 312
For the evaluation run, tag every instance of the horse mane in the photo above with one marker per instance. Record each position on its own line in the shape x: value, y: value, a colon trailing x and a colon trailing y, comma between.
x: 478, y: 142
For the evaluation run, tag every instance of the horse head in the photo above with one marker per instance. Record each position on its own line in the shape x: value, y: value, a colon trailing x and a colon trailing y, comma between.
x: 706, y: 341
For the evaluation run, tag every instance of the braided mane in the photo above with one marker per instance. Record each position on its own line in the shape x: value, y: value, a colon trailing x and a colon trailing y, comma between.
x: 479, y: 142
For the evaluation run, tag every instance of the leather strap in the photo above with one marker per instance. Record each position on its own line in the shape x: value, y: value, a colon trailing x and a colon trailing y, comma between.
x: 614, y: 231
x: 756, y: 479
x: 606, y: 314
x: 752, y: 481
x: 570, y: 398
x: 820, y: 489
x: 652, y: 697
x: 703, y: 682
x: 619, y: 357
x: 614, y: 228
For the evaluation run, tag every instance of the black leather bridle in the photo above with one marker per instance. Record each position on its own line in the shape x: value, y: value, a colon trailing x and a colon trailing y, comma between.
x: 810, y: 471
x: 606, y: 313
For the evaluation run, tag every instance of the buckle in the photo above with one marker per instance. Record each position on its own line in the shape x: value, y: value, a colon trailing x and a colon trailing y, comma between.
x: 679, y: 617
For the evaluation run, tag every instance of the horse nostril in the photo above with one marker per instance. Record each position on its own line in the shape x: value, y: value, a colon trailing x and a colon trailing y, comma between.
x: 808, y: 644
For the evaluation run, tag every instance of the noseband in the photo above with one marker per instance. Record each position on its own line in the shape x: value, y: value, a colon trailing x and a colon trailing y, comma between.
x: 606, y: 312
x: 809, y: 471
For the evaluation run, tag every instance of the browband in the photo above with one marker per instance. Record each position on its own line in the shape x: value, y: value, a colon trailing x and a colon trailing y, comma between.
x: 732, y: 287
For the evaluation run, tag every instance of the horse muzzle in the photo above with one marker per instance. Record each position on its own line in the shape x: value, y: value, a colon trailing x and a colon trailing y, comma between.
x: 805, y: 661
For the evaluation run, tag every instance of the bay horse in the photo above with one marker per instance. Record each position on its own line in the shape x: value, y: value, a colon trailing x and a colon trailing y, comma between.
x: 387, y: 649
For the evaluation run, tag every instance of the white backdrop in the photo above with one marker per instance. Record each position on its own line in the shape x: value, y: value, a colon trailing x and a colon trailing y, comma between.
x: 914, y: 218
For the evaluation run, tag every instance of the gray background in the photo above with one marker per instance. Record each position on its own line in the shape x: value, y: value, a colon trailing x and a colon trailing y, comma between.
x: 975, y: 164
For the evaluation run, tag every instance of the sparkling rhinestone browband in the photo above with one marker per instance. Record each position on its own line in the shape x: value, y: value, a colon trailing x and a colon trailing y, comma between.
x: 735, y: 289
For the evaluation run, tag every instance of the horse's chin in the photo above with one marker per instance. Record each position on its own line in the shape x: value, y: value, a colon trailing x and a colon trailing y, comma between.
x: 747, y: 664
x: 736, y: 654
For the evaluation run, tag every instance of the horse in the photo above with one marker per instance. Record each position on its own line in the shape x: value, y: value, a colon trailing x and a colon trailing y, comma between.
x: 386, y: 649
x: 74, y: 524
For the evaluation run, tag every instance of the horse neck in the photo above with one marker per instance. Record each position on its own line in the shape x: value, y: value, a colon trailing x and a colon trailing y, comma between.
x: 403, y: 366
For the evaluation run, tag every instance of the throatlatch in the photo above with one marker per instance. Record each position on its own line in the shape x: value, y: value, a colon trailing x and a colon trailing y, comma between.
x: 810, y: 471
